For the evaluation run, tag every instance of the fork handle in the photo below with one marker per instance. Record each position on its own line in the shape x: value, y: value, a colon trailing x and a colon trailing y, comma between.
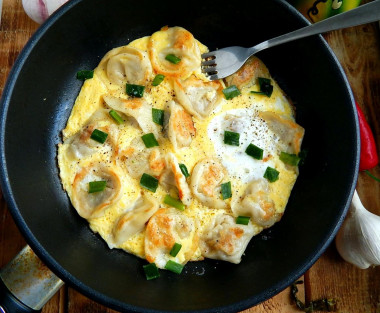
x: 366, y: 13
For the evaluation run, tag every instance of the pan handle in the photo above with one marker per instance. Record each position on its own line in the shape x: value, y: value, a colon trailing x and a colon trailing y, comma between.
x: 26, y: 284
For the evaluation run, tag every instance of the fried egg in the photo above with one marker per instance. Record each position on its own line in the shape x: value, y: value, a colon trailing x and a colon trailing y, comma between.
x: 121, y: 184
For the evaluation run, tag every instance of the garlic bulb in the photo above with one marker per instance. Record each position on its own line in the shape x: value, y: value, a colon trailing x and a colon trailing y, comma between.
x: 358, y: 240
x: 40, y: 10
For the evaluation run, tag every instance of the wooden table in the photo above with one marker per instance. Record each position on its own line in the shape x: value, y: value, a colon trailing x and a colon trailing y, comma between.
x: 358, y: 291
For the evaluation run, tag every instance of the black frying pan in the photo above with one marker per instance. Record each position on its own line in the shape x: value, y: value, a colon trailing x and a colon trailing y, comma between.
x: 36, y: 104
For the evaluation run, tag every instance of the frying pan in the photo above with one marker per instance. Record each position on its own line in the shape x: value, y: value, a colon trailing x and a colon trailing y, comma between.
x: 36, y: 104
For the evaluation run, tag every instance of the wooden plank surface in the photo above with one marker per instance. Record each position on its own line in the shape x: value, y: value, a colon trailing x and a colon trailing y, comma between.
x: 358, y: 291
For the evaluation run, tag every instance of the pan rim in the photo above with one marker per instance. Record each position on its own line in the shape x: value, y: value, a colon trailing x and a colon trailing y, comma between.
x: 63, y: 273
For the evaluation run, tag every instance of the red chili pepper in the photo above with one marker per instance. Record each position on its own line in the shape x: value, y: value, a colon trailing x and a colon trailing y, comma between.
x: 368, y: 153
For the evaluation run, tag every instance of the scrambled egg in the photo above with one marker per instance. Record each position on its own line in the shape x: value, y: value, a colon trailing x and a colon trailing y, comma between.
x: 131, y: 214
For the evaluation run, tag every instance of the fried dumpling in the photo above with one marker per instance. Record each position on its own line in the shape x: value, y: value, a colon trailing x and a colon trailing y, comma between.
x: 133, y: 221
x: 181, y: 128
x: 290, y: 133
x: 175, y: 41
x: 257, y: 204
x: 139, y: 160
x: 206, y: 178
x: 81, y: 145
x: 173, y: 177
x: 137, y: 108
x: 247, y: 75
x: 198, y: 97
x: 165, y: 228
x: 126, y: 65
x: 225, y: 240
x: 93, y: 205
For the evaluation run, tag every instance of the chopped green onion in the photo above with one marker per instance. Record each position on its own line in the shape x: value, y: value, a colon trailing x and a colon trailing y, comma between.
x: 372, y: 176
x: 225, y: 190
x: 158, y: 79
x: 265, y: 86
x: 231, y: 92
x: 96, y: 186
x: 259, y: 92
x: 99, y: 136
x: 174, y: 251
x: 291, y: 159
x: 172, y: 59
x: 174, y: 203
x: 83, y: 75
x: 149, y: 182
x: 271, y: 174
x: 158, y: 116
x: 151, y: 271
x: 149, y: 140
x: 184, y: 170
x: 135, y: 90
x: 243, y: 220
x: 118, y: 119
x: 254, y: 151
x: 231, y: 138
x: 174, y: 267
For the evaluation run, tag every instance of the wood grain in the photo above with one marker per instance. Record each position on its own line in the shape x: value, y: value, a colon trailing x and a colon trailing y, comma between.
x: 358, y: 291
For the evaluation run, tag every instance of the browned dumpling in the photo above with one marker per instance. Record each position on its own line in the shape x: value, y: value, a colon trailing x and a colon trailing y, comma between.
x: 257, y: 204
x: 138, y: 159
x: 126, y: 65
x: 81, y: 144
x: 133, y: 221
x: 165, y: 228
x: 225, y: 240
x: 290, y: 133
x: 198, y: 97
x: 181, y: 128
x: 206, y: 178
x: 137, y: 108
x: 247, y: 75
x: 92, y: 205
x: 173, y: 178
x: 178, y: 42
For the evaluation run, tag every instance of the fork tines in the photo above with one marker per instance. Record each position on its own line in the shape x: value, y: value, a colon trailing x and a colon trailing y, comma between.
x: 209, y: 65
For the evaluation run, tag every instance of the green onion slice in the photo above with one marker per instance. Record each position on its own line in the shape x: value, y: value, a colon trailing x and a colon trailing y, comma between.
x: 254, y: 151
x: 149, y: 140
x: 174, y: 267
x: 118, y: 119
x: 174, y: 203
x: 151, y: 271
x: 231, y: 92
x: 158, y: 79
x: 271, y: 174
x: 184, y: 170
x: 265, y: 86
x: 83, y: 75
x: 135, y: 90
x: 225, y: 190
x: 291, y: 159
x: 231, y: 138
x: 149, y: 182
x: 174, y: 251
x: 243, y: 220
x: 302, y: 155
x: 158, y: 116
x: 172, y: 59
x: 99, y: 136
x: 96, y: 186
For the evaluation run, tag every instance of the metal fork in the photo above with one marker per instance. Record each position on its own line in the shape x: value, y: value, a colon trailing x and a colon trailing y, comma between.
x: 224, y: 62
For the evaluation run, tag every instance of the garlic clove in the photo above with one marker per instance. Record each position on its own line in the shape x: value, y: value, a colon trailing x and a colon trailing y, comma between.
x: 358, y: 240
x: 40, y: 10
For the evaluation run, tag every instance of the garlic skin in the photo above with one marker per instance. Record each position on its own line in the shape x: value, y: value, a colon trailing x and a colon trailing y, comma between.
x: 40, y: 10
x: 358, y: 240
